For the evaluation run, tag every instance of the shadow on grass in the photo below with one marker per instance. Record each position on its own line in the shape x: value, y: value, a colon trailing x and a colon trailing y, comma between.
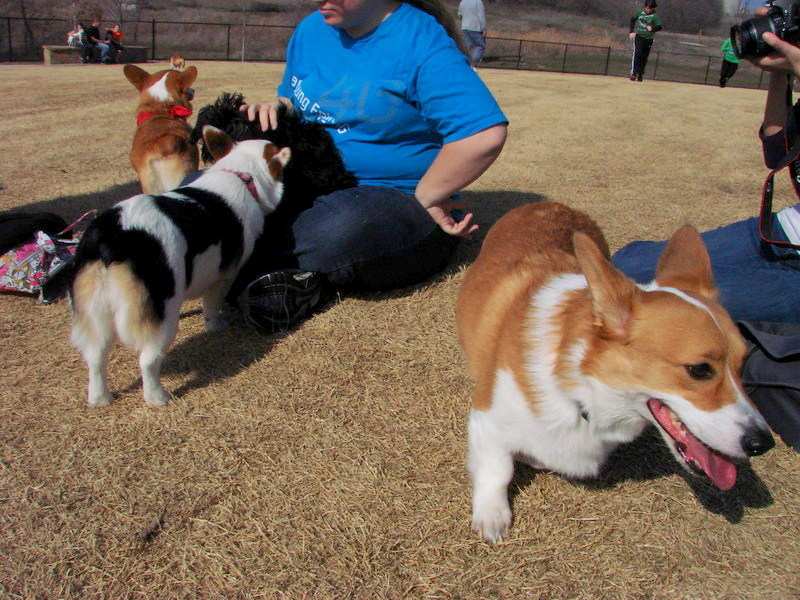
x: 233, y: 350
x: 72, y: 207
x: 647, y: 458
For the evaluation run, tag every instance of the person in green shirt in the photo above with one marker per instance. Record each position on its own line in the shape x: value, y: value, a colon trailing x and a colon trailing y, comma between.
x: 644, y: 25
x: 730, y: 62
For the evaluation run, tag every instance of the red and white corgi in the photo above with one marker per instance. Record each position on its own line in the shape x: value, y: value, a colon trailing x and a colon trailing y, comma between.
x: 571, y: 358
x: 139, y: 260
x: 161, y: 153
x: 177, y: 62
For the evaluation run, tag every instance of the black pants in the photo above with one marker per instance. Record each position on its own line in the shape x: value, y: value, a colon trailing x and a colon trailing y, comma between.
x: 727, y: 71
x: 89, y: 53
x: 641, y: 52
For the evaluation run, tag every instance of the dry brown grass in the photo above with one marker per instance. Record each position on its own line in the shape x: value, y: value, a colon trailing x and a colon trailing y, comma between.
x: 329, y: 462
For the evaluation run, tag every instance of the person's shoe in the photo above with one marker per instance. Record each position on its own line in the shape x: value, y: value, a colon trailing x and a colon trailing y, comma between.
x: 276, y: 301
x: 633, y: 77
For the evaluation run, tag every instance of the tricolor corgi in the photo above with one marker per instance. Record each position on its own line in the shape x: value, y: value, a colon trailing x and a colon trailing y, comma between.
x: 139, y: 260
x: 161, y: 153
x: 177, y: 62
x: 571, y: 358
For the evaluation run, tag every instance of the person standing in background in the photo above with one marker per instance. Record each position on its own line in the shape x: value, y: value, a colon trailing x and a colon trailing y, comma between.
x: 644, y: 26
x: 473, y: 26
x: 730, y: 62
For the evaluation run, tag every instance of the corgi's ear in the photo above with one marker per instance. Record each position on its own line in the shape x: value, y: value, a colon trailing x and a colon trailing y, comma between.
x: 135, y: 75
x: 276, y: 159
x: 188, y: 76
x: 614, y: 296
x: 685, y: 264
x: 217, y: 142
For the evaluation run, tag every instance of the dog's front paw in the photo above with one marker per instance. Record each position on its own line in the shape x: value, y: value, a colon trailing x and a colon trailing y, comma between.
x: 492, y: 521
x: 216, y: 324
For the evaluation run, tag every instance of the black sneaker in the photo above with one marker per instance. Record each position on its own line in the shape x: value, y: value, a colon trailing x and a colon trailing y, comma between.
x: 278, y: 300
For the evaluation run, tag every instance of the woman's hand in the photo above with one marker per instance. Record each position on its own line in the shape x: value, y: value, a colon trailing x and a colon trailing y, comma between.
x: 266, y: 113
x: 786, y: 57
x: 441, y: 214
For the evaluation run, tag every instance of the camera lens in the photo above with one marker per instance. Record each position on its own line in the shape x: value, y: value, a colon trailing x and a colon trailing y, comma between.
x: 746, y: 38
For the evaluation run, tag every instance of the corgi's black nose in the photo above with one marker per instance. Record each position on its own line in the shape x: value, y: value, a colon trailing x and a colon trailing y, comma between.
x: 757, y: 442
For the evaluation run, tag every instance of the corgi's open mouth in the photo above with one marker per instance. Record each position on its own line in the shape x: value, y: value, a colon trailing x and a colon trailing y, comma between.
x: 719, y: 468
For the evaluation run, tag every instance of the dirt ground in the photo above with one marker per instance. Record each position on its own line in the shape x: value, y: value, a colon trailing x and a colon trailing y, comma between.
x: 329, y: 462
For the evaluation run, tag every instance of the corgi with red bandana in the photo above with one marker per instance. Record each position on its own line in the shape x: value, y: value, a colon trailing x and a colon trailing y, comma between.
x: 161, y: 153
x: 571, y: 358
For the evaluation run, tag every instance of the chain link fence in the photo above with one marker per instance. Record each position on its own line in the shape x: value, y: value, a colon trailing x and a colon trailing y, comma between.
x: 22, y: 39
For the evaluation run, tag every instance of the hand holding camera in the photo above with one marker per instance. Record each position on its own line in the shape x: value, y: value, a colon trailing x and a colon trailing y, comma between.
x: 748, y: 38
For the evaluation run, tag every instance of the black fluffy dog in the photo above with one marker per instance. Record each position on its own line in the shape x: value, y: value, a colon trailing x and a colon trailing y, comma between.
x: 316, y: 167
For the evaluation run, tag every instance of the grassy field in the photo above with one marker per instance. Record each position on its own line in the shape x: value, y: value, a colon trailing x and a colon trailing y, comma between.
x: 329, y: 462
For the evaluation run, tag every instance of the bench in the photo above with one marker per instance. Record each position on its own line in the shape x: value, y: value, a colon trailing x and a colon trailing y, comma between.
x: 59, y: 55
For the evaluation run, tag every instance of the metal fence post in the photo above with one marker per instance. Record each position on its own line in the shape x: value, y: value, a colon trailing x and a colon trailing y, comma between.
x: 708, y: 69
x: 228, y: 45
x: 153, y: 40
x: 10, y: 45
x: 519, y: 55
x: 608, y: 60
x: 655, y: 69
x: 564, y: 60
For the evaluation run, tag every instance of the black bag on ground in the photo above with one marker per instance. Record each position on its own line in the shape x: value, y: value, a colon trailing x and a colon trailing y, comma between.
x: 771, y: 375
x: 17, y: 228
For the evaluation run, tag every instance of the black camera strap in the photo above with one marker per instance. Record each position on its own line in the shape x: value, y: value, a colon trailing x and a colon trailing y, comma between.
x: 765, y: 216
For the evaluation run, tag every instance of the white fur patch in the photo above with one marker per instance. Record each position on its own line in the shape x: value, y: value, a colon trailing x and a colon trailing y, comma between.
x: 159, y: 90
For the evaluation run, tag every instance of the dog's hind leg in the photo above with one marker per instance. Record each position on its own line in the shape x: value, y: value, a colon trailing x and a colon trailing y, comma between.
x: 151, y: 355
x: 93, y: 329
x: 95, y: 353
x: 150, y: 360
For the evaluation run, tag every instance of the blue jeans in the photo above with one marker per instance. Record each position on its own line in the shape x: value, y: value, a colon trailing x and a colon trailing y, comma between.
x: 363, y: 239
x: 476, y: 45
x: 756, y: 281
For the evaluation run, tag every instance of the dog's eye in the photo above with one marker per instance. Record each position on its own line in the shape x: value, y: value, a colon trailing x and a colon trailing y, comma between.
x: 700, y: 371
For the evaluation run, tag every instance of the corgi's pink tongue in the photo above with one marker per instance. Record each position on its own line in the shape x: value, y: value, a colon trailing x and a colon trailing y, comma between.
x: 720, y: 470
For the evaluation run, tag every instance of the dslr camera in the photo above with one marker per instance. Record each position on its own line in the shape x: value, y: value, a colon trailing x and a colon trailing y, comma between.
x: 746, y: 37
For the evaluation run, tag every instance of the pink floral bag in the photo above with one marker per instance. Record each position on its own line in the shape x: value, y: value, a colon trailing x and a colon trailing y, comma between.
x: 29, y: 267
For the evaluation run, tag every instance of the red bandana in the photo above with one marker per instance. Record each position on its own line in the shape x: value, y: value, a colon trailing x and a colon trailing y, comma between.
x: 176, y: 112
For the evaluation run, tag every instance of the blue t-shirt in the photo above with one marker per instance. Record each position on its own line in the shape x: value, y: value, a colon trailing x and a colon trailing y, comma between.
x: 391, y: 98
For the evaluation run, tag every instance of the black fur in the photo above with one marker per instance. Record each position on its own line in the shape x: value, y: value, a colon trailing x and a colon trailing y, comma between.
x: 316, y: 167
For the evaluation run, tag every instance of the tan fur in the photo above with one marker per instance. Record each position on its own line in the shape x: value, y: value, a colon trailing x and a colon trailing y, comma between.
x: 517, y: 256
x: 177, y: 62
x: 161, y: 153
x: 96, y: 286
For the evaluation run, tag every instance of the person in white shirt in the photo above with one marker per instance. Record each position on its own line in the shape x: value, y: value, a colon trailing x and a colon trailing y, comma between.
x: 473, y: 25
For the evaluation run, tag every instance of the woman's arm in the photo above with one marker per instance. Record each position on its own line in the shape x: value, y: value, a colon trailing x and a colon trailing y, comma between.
x: 776, y: 107
x: 456, y: 166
